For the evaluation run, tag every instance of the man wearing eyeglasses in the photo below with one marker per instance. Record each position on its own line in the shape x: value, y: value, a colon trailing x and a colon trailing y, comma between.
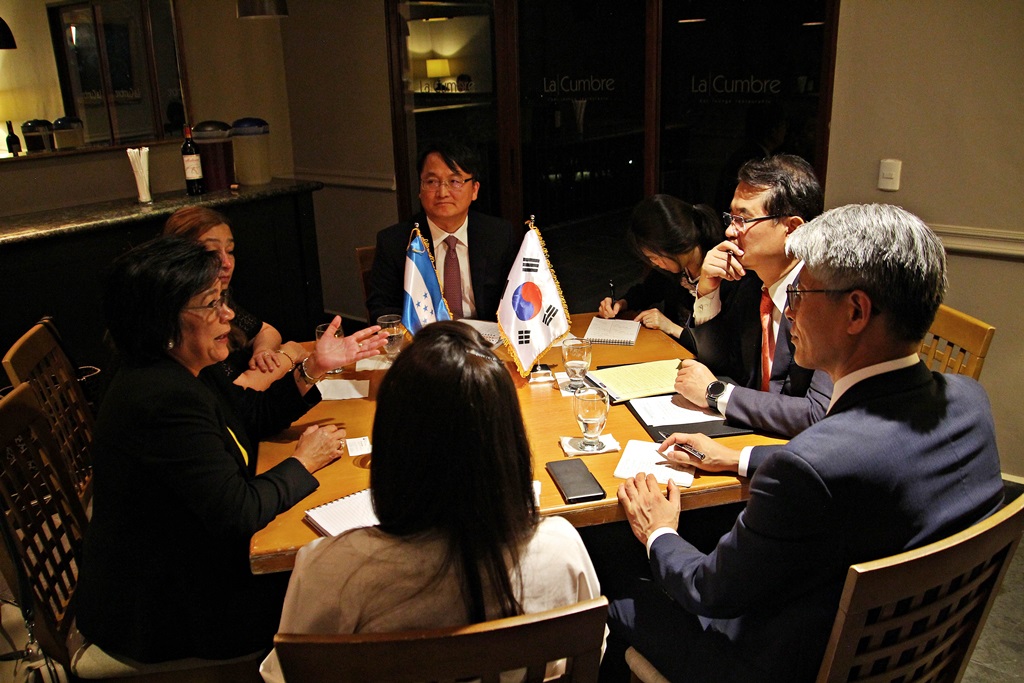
x: 906, y: 456
x: 749, y: 340
x: 473, y: 252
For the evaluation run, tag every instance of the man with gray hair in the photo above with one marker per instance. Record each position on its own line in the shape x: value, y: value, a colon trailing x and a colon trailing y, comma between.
x: 904, y: 457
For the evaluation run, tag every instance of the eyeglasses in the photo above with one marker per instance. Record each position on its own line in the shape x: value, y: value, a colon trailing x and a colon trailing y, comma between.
x: 435, y: 184
x: 215, y: 306
x: 741, y: 222
x: 794, y: 295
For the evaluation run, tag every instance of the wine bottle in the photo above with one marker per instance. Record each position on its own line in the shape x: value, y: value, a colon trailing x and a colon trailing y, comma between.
x: 193, y: 166
x: 13, y: 142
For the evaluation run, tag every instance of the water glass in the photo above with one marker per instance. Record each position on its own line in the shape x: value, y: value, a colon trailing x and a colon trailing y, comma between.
x: 320, y: 329
x: 576, y: 356
x: 590, y: 405
x: 392, y: 324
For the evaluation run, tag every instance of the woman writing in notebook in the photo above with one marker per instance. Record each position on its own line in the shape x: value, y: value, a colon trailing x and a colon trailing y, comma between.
x: 671, y: 237
x: 165, y: 575
x: 459, y: 539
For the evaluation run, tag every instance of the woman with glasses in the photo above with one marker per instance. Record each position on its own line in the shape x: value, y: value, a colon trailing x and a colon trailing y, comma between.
x: 459, y: 539
x: 165, y: 574
x: 672, y: 237
x: 258, y: 356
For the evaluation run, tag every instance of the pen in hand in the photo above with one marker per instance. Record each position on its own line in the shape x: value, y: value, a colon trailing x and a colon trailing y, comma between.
x: 611, y: 289
x: 687, y: 448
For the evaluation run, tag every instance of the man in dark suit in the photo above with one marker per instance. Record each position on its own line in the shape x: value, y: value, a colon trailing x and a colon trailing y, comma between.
x: 774, y: 197
x: 904, y: 457
x: 473, y: 253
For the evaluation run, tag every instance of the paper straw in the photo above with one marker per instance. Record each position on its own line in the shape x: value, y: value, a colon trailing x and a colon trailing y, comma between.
x: 139, y: 159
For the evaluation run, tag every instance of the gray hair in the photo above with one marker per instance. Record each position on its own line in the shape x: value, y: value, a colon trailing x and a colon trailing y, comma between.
x: 884, y: 251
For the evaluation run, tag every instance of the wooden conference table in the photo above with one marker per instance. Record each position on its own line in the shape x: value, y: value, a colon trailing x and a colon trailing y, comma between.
x: 547, y: 414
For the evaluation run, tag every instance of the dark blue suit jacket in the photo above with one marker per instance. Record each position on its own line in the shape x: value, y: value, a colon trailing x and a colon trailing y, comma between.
x: 493, y: 246
x: 904, y: 459
x: 730, y: 345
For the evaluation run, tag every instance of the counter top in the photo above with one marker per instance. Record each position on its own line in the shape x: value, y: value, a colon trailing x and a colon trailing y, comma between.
x: 31, y: 226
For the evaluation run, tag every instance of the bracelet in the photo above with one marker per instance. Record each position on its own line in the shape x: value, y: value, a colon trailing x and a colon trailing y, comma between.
x: 305, y: 373
x: 290, y: 359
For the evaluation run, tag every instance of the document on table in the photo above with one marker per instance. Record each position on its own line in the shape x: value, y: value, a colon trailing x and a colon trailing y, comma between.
x: 662, y: 415
x: 624, y: 382
x: 642, y: 456
x: 339, y: 389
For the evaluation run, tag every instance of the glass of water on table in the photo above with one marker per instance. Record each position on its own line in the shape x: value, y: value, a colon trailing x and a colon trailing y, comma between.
x: 392, y: 324
x: 576, y: 356
x: 590, y: 404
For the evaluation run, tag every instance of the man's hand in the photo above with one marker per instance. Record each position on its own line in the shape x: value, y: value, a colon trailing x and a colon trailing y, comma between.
x: 692, y: 382
x: 721, y: 263
x: 717, y: 458
x: 646, y: 506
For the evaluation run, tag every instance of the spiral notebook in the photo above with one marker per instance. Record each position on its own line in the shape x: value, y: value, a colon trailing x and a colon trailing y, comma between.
x: 605, y: 331
x: 341, y: 515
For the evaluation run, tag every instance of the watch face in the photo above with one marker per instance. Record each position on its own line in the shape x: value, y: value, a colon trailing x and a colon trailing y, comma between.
x: 716, y: 389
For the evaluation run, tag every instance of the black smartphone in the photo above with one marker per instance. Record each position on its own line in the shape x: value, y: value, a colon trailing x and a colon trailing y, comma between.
x: 575, y: 481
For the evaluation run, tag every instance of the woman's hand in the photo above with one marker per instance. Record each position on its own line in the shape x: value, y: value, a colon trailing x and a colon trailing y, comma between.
x: 333, y: 352
x: 609, y: 308
x: 319, y: 446
x: 654, y: 319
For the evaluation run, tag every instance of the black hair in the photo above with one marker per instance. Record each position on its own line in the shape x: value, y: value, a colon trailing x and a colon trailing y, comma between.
x: 668, y: 226
x: 145, y: 290
x: 451, y: 456
x: 455, y: 156
x: 793, y: 189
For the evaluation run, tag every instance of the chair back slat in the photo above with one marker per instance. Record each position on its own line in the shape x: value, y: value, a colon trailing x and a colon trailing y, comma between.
x: 917, y: 616
x: 956, y: 343
x: 38, y: 360
x: 483, y: 651
x: 44, y: 518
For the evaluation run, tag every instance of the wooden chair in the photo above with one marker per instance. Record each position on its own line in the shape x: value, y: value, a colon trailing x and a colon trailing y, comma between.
x: 43, y: 521
x: 479, y: 651
x: 915, y: 616
x: 956, y: 343
x: 39, y: 360
x: 364, y: 258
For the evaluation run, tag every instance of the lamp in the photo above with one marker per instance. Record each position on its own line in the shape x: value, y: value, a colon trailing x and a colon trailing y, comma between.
x: 438, y: 68
x: 261, y: 8
x: 6, y: 37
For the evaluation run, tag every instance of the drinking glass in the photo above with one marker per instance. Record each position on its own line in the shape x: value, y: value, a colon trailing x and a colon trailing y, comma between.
x: 590, y: 404
x: 320, y: 329
x: 392, y: 324
x: 576, y: 356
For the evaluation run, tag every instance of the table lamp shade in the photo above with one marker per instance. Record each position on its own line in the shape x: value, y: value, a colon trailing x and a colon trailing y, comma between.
x: 438, y: 68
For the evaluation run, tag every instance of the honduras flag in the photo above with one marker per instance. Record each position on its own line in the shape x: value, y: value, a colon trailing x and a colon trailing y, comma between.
x: 423, y: 303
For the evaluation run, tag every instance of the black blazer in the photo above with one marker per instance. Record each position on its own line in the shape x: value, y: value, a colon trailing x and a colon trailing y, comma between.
x: 730, y: 345
x: 165, y: 569
x: 493, y: 246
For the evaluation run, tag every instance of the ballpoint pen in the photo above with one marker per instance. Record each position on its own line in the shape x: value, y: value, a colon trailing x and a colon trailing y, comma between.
x: 686, y: 448
x: 611, y: 288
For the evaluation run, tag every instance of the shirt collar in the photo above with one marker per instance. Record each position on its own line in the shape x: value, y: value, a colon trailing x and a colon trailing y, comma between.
x: 777, y: 290
x: 437, y: 235
x: 844, y: 383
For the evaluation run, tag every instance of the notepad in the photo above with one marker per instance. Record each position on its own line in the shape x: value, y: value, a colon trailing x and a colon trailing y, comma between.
x: 642, y: 456
x: 625, y: 382
x: 488, y: 329
x: 605, y: 331
x: 341, y: 515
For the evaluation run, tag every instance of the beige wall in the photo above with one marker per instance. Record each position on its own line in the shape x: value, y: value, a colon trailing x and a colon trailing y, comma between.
x: 335, y: 56
x: 939, y: 84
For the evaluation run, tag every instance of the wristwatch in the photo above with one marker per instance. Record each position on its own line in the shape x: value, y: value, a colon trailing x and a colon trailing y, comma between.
x: 713, y: 393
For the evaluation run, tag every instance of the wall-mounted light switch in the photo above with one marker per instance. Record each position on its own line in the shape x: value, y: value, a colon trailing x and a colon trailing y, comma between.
x: 889, y: 174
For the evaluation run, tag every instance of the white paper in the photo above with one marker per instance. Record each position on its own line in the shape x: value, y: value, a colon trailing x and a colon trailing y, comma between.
x: 358, y: 446
x: 536, y: 492
x: 378, y: 362
x: 350, y: 512
x: 340, y: 389
x: 488, y: 329
x: 643, y: 456
x: 661, y: 410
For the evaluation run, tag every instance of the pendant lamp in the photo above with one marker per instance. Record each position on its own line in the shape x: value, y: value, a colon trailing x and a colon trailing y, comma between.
x: 6, y: 37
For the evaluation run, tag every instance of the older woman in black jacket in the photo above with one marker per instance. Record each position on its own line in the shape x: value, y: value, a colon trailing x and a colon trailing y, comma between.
x: 165, y: 572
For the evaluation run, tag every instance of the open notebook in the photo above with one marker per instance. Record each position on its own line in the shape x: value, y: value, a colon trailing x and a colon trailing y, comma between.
x: 604, y: 331
x: 341, y: 515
